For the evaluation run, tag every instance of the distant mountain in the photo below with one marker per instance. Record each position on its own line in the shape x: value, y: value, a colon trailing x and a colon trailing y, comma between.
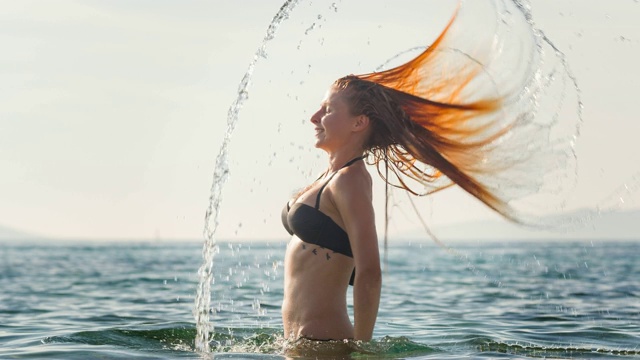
x: 7, y: 233
x: 578, y: 225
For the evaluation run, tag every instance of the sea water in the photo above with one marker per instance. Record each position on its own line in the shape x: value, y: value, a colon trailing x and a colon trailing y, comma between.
x: 489, y: 299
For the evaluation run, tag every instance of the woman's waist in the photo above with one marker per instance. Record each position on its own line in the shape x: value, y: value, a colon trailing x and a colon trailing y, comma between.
x: 311, y: 301
x: 322, y: 290
x: 318, y: 325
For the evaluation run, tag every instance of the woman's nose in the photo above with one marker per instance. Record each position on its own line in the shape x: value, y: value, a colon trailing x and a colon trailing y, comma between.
x: 315, y: 118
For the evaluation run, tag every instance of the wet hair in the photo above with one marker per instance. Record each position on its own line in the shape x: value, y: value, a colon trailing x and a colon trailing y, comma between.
x: 490, y: 106
x: 408, y: 131
x: 427, y: 132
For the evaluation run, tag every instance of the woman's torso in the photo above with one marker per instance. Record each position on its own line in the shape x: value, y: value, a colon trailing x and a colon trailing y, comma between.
x: 315, y: 287
x: 317, y: 271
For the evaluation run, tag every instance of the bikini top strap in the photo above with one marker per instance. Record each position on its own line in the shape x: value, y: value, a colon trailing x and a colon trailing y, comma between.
x: 331, y: 177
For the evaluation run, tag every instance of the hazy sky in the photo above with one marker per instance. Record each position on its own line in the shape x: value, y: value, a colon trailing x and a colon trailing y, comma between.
x: 112, y: 112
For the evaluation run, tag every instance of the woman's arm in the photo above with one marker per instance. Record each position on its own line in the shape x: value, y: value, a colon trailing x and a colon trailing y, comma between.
x: 353, y: 199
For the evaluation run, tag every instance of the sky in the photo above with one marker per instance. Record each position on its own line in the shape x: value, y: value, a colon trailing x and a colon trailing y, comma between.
x: 112, y: 112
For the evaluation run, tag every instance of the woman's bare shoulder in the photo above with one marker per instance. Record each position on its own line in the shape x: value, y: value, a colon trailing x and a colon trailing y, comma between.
x: 352, y: 181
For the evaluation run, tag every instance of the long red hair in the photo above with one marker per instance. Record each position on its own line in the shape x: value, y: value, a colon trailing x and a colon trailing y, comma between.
x: 439, y: 120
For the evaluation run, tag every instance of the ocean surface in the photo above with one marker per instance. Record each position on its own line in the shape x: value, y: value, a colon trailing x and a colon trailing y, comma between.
x: 522, y: 300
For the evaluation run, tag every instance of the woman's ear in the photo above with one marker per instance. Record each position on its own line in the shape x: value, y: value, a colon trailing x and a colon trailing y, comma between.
x: 361, y: 123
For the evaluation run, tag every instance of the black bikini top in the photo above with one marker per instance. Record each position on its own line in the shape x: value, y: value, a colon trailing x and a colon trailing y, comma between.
x: 314, y: 227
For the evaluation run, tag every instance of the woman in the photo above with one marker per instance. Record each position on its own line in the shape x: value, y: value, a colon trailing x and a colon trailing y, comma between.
x: 333, y: 225
x: 332, y: 220
x: 432, y: 122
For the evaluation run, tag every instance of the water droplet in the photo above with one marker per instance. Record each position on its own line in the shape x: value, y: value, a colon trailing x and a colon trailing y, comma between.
x: 310, y: 28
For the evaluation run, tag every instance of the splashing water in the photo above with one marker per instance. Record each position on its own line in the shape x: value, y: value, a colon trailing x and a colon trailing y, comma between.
x: 220, y: 176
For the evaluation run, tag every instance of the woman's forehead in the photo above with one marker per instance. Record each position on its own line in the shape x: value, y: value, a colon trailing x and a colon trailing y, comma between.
x: 334, y: 96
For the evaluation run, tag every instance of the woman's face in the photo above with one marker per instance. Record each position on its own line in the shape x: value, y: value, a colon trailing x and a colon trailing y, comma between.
x: 333, y: 121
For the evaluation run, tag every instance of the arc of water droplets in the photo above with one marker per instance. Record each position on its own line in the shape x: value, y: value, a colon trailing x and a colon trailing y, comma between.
x: 220, y: 177
x: 617, y: 198
x: 567, y: 78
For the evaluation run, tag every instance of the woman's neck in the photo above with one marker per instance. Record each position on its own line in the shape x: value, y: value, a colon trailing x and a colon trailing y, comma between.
x: 339, y: 159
